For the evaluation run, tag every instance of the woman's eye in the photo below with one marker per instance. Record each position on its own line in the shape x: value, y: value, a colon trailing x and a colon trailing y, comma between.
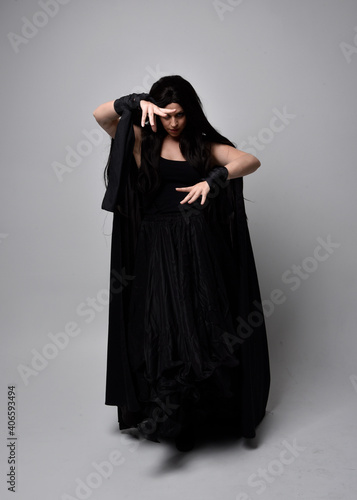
x: 178, y: 115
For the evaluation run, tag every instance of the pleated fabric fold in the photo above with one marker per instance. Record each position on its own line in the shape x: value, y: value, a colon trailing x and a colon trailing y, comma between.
x: 179, y: 319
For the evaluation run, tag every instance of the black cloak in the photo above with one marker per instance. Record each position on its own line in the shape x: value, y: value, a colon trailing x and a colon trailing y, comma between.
x: 122, y: 198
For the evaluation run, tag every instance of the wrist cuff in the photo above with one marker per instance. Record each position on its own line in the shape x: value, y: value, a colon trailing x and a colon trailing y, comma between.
x: 131, y: 102
x: 217, y: 175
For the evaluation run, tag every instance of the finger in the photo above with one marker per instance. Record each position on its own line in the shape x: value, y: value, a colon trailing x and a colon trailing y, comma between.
x: 164, y: 112
x: 183, y: 201
x: 143, y: 116
x: 204, y: 195
x: 194, y: 197
x: 151, y: 117
x: 186, y: 198
x: 154, y: 125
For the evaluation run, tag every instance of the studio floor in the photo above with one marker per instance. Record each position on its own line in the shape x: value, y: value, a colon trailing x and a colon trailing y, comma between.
x: 69, y: 445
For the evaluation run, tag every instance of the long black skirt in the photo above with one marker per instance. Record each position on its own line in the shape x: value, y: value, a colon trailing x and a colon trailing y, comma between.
x: 180, y: 316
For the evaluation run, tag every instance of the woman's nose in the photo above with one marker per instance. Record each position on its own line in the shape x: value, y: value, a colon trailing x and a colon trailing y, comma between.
x: 173, y: 122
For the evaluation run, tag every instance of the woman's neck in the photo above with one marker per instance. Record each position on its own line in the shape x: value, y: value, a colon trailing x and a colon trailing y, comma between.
x: 170, y: 149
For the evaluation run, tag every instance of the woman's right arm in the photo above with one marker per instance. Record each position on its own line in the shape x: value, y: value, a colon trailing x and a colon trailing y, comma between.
x: 107, y: 117
x: 107, y: 114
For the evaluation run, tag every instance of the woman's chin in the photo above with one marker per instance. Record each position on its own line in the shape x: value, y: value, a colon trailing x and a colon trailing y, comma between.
x: 174, y: 135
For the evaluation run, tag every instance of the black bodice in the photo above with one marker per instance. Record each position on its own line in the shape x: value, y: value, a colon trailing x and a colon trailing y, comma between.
x: 174, y: 173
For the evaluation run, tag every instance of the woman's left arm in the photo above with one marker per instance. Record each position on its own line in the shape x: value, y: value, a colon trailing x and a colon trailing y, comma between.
x: 238, y: 163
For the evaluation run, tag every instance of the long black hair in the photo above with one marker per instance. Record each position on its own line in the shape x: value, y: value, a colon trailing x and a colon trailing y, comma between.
x: 195, y: 139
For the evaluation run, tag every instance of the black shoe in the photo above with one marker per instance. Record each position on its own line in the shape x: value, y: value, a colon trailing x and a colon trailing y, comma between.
x: 186, y: 439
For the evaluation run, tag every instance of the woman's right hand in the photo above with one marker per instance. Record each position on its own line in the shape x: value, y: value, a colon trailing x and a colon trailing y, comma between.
x: 150, y: 110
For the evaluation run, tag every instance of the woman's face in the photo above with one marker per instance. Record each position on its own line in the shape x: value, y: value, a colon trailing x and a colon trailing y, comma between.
x: 174, y: 123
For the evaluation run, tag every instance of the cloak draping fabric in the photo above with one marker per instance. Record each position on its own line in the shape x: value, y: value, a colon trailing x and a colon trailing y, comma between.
x: 123, y: 199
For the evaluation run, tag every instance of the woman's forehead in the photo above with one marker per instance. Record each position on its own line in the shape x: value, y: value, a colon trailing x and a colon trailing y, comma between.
x: 174, y: 105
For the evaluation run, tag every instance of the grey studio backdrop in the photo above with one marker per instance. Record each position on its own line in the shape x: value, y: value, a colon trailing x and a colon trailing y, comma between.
x: 276, y: 77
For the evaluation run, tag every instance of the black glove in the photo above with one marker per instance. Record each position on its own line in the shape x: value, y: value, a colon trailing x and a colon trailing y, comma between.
x: 131, y: 102
x: 216, y: 175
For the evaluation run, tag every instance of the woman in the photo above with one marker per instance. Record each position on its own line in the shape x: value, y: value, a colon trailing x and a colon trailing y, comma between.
x: 187, y: 342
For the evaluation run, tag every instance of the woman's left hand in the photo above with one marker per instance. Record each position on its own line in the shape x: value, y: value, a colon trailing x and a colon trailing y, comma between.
x: 199, y: 189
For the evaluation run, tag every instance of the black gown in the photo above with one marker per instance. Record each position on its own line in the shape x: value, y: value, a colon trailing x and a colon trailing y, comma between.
x: 181, y: 314
x: 186, y: 332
